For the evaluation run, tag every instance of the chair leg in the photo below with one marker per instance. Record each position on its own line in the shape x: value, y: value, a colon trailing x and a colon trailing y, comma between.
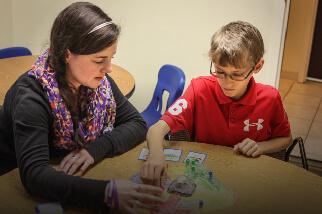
x: 302, y: 151
x: 167, y: 136
x: 290, y: 149
x: 303, y: 154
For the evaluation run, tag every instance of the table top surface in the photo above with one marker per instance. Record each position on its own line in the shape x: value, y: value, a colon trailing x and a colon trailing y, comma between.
x: 262, y: 185
x: 12, y: 68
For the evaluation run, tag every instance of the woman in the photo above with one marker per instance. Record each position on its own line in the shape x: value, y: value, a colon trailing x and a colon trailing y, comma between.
x: 66, y: 105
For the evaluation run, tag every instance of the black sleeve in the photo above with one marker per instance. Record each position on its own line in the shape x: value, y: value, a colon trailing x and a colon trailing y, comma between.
x: 31, y: 116
x: 129, y: 129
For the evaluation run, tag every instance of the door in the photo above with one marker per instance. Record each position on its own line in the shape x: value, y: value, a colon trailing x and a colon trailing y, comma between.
x: 315, y: 66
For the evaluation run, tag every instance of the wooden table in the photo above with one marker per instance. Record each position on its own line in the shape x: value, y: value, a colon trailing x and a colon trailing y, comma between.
x: 12, y: 68
x: 262, y: 185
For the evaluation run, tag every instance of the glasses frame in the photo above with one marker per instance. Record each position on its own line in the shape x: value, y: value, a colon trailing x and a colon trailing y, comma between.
x: 231, y: 76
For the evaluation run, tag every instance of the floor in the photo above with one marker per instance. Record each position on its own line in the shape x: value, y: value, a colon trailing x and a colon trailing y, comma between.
x: 303, y: 104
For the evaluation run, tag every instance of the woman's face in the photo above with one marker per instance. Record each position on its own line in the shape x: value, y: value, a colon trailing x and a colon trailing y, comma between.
x: 89, y: 70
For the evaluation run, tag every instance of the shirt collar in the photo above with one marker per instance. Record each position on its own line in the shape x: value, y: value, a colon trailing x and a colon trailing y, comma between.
x: 248, y: 99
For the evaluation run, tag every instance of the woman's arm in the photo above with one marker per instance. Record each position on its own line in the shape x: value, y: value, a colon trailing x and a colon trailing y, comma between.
x: 129, y: 129
x: 30, y: 114
x: 31, y: 123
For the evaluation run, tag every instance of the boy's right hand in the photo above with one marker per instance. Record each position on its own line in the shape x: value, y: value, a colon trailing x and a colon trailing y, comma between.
x: 154, y: 171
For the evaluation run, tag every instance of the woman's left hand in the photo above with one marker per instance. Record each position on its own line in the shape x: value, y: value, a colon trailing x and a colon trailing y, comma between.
x: 140, y: 195
x: 74, y: 160
x: 248, y: 147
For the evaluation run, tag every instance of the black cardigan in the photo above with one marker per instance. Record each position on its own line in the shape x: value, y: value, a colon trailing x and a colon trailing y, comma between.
x: 26, y: 141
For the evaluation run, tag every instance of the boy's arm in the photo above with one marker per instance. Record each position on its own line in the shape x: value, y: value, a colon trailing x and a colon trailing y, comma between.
x: 154, y: 170
x: 179, y: 116
x: 279, y: 127
x: 251, y: 148
x: 275, y: 144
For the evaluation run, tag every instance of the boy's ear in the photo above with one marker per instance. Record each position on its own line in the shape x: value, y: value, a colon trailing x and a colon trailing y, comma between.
x: 259, y: 66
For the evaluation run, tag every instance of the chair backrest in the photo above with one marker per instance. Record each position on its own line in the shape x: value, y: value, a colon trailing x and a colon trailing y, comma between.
x: 14, y: 52
x: 171, y: 79
x: 181, y: 135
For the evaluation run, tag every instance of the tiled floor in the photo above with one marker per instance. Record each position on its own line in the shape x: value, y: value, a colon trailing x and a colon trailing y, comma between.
x: 303, y: 104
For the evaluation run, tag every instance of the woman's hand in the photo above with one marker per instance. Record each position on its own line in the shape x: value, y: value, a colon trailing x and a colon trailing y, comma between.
x: 140, y: 195
x: 74, y: 160
x: 248, y: 147
x: 154, y: 171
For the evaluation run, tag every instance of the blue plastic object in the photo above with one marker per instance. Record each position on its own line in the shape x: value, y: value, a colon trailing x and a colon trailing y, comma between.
x: 171, y: 79
x: 13, y: 52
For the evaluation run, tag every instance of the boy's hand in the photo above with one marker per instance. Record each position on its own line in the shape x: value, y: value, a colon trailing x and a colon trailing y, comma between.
x: 154, y: 171
x: 248, y: 147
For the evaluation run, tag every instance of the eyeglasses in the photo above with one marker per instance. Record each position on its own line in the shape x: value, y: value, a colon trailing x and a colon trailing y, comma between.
x: 222, y: 75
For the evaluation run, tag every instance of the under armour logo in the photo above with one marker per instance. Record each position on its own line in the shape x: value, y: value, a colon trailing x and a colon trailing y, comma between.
x: 259, y: 125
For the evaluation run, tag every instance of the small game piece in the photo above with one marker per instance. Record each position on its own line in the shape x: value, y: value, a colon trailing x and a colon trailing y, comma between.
x: 210, y: 174
x: 193, y: 168
x: 187, y: 162
x: 200, y: 203
x: 193, y: 165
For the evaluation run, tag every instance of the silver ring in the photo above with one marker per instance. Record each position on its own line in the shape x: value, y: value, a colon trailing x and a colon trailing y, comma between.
x: 136, y: 203
x: 74, y: 157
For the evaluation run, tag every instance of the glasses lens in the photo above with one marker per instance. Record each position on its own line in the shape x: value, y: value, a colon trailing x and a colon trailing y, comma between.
x: 220, y: 75
x: 238, y: 78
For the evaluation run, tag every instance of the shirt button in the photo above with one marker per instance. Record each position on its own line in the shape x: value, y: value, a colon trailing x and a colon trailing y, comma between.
x: 232, y: 120
x: 232, y: 112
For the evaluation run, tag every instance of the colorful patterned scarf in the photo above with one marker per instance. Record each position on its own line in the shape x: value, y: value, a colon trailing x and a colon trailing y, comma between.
x: 98, y: 107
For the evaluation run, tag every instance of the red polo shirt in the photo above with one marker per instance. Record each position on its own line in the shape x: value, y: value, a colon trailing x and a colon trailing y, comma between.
x: 211, y: 117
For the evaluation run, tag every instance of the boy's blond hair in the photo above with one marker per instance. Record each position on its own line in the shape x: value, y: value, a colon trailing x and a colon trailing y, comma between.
x: 239, y: 44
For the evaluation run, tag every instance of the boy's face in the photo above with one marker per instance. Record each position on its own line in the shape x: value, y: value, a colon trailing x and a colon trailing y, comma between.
x: 233, y: 89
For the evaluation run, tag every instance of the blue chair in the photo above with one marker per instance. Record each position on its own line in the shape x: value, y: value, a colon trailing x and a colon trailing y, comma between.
x: 172, y: 79
x: 13, y: 52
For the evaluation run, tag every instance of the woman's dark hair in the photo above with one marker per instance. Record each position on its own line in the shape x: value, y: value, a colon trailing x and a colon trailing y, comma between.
x: 70, y: 31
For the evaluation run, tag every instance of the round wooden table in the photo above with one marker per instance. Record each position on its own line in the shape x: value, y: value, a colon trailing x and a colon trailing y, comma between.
x: 12, y: 68
x: 262, y: 185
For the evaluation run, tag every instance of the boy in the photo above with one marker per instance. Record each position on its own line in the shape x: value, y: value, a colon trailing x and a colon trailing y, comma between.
x: 227, y: 108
